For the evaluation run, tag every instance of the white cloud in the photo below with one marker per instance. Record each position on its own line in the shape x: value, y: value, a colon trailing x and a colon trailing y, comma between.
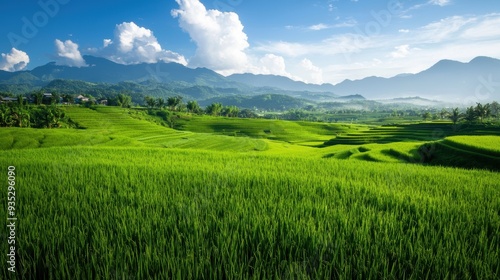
x: 272, y: 64
x: 440, y: 2
x: 355, y: 56
x: 444, y: 29
x: 133, y: 44
x: 339, y: 44
x: 312, y: 73
x: 318, y: 27
x: 107, y: 42
x: 68, y: 54
x: 219, y: 36
x: 487, y: 28
x: 16, y: 60
x: 401, y: 51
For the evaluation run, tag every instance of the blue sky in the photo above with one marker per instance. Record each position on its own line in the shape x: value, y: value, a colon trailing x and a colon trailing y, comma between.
x: 314, y: 41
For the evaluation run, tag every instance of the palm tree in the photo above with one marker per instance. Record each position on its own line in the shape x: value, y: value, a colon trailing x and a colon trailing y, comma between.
x: 173, y: 102
x: 38, y: 97
x: 426, y: 116
x: 470, y: 114
x: 214, y: 109
x: 193, y: 106
x: 444, y: 114
x: 483, y: 111
x: 455, y: 116
x: 231, y: 111
x: 495, y: 109
x: 160, y: 102
x: 20, y: 100
x: 150, y: 101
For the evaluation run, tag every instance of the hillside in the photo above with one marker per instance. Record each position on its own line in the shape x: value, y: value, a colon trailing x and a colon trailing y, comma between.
x: 447, y: 81
x: 279, y: 82
x: 268, y: 102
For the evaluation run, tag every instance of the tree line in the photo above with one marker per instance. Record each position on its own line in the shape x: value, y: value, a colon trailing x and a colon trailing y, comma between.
x: 21, y: 115
x: 176, y: 104
x: 472, y: 114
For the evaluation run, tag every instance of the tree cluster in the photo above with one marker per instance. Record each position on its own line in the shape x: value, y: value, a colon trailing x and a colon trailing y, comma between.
x: 20, y: 115
x: 176, y: 104
x: 474, y: 113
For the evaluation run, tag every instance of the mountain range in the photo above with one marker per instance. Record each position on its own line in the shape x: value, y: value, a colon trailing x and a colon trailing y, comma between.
x: 447, y: 80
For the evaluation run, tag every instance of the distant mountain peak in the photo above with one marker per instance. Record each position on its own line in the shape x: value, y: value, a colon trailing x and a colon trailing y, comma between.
x: 281, y: 82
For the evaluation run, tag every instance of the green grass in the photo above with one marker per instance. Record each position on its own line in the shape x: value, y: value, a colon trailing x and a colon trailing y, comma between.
x: 139, y: 213
x: 304, y: 133
x: 465, y: 151
x: 126, y: 198
x: 489, y: 145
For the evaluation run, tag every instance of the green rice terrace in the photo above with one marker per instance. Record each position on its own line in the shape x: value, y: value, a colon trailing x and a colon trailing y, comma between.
x: 127, y: 197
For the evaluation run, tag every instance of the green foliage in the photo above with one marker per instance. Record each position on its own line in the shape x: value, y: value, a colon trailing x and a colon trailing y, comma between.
x: 193, y: 107
x: 230, y: 111
x: 15, y: 115
x: 268, y: 102
x: 470, y: 114
x: 48, y: 117
x: 455, y: 115
x: 495, y: 109
x: 174, y: 102
x: 426, y: 116
x: 121, y: 100
x: 214, y: 109
x: 150, y: 101
x: 482, y: 111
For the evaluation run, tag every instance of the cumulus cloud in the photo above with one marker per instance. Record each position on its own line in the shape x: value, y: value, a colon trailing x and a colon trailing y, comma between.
x: 68, y: 54
x: 272, y: 64
x: 219, y: 36
x: 312, y: 73
x: 16, y: 60
x: 133, y: 44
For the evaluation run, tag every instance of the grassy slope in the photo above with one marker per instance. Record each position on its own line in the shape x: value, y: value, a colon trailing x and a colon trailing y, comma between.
x: 481, y: 144
x: 465, y: 151
x: 109, y: 126
x: 305, y: 133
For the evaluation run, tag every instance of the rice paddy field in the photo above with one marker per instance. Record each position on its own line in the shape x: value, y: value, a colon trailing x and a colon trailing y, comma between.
x: 126, y: 198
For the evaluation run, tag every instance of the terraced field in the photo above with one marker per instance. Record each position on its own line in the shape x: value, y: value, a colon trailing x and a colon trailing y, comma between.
x: 410, y: 133
x: 111, y: 126
x: 466, y: 151
x: 488, y: 145
x: 302, y: 133
x: 126, y: 198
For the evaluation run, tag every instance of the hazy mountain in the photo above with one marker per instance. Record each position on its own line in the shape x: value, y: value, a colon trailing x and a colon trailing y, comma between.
x: 100, y: 70
x: 450, y: 81
x: 262, y: 102
x: 280, y: 82
x: 447, y: 80
x: 418, y: 101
